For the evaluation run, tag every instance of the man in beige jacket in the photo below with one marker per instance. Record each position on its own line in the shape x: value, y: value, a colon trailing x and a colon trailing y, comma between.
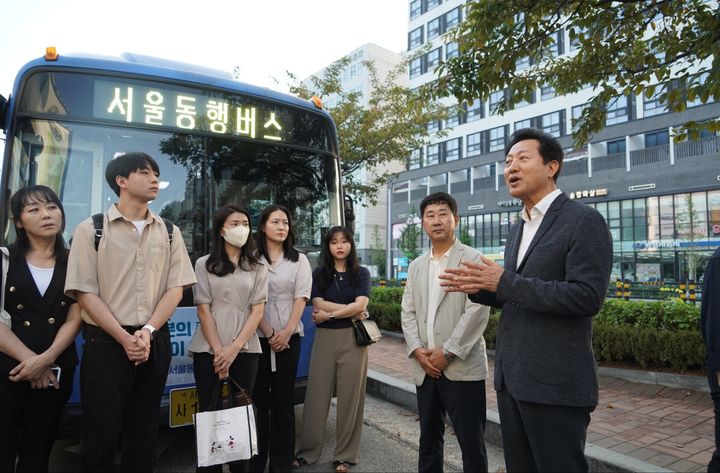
x: 444, y: 336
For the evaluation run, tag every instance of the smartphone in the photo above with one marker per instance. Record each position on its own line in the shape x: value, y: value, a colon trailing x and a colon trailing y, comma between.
x: 56, y: 371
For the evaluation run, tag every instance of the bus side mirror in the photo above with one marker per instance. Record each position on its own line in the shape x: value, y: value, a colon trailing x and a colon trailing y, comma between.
x: 3, y: 112
x: 349, y: 212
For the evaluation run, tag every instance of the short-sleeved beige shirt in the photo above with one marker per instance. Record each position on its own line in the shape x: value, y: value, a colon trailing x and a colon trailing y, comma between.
x: 130, y: 274
x: 231, y: 298
x: 287, y: 281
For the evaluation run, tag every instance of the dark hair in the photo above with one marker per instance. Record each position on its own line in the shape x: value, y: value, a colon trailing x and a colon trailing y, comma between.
x: 550, y: 148
x: 438, y: 198
x: 30, y: 195
x: 218, y: 263
x: 128, y: 163
x: 326, y: 268
x: 289, y: 250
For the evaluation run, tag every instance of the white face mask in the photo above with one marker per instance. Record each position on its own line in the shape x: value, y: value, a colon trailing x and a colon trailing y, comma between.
x: 236, y: 236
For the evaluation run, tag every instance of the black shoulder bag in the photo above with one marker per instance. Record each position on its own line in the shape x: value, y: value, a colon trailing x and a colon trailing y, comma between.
x: 366, y: 331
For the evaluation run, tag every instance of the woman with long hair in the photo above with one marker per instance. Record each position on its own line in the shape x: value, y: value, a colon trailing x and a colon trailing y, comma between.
x: 289, y: 286
x: 230, y: 297
x: 340, y: 291
x: 37, y: 354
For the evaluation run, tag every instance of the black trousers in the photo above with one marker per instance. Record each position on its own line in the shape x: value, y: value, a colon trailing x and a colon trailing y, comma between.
x: 243, y: 371
x: 274, y: 399
x: 30, y: 419
x: 464, y: 403
x: 714, y: 465
x: 541, y: 437
x: 120, y: 400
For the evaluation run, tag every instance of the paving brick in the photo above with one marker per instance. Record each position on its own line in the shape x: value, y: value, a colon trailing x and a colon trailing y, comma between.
x: 683, y: 465
x: 662, y: 460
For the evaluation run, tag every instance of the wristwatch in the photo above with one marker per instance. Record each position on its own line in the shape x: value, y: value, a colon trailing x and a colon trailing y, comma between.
x: 331, y: 317
x: 448, y: 356
x: 150, y: 329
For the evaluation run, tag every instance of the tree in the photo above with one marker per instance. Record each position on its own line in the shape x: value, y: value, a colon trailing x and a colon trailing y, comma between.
x: 391, y: 126
x: 464, y: 236
x: 623, y: 47
x: 408, y: 242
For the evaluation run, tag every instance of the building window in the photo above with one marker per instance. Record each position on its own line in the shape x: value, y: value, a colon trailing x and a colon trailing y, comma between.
x: 452, y: 149
x: 618, y: 111
x: 522, y: 63
x: 496, y: 138
x: 434, y: 28
x: 434, y: 126
x: 547, y: 92
x: 526, y: 100
x: 451, y: 50
x: 433, y: 154
x: 577, y: 111
x: 657, y: 138
x: 474, y: 111
x: 616, y: 146
x: 527, y: 123
x: 415, y: 160
x: 699, y: 79
x: 654, y: 105
x: 416, y: 68
x: 553, y: 123
x: 416, y: 8
x: 496, y: 98
x: 575, y: 42
x: 455, y: 117
x: 452, y: 18
x: 432, y: 59
x: 556, y: 48
x: 474, y: 144
x: 415, y: 38
x: 432, y: 4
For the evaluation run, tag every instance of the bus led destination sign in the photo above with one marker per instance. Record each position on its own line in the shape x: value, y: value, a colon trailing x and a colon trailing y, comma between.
x: 195, y: 110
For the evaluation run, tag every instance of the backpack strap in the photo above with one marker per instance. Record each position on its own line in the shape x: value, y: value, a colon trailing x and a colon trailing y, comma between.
x: 99, y: 221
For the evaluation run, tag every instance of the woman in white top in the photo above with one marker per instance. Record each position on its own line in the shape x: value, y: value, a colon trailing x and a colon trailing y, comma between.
x: 44, y: 324
x: 289, y: 286
x: 230, y: 296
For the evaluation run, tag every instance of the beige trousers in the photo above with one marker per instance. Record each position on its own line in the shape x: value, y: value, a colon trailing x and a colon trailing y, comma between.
x: 336, y: 362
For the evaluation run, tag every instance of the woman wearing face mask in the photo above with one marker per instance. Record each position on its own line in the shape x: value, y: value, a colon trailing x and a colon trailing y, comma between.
x: 230, y: 296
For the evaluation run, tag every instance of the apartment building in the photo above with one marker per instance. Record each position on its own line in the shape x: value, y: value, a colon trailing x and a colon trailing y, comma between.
x: 661, y: 199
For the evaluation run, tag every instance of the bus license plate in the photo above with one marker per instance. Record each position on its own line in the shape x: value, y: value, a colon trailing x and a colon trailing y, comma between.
x: 183, y: 404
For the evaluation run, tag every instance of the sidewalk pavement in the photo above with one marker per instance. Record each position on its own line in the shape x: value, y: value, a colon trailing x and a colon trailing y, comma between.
x: 635, y: 427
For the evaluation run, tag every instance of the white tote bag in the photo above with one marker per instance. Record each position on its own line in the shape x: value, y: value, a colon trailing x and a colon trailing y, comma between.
x: 225, y: 436
x: 4, y: 316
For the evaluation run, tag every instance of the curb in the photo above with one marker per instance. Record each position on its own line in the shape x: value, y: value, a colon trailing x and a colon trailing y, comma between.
x: 402, y: 393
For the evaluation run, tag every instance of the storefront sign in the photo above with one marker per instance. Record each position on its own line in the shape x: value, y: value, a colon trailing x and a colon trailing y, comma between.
x: 588, y: 193
x: 645, y: 245
x: 510, y: 203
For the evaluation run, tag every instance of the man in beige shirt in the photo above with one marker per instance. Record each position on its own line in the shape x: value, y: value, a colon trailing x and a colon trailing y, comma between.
x: 128, y: 288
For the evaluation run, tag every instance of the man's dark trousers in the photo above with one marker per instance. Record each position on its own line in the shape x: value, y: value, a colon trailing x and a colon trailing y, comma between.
x: 547, y: 437
x: 464, y: 403
x: 121, y: 399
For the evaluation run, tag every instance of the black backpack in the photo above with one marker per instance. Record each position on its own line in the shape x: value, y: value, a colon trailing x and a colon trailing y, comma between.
x: 98, y: 223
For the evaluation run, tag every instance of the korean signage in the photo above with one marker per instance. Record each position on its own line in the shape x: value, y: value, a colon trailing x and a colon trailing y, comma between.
x: 588, y: 193
x: 510, y: 203
x: 193, y: 110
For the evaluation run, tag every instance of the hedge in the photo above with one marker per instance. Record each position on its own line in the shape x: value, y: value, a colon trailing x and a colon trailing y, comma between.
x: 658, y: 334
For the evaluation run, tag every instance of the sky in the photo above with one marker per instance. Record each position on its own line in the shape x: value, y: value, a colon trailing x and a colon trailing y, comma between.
x: 264, y: 38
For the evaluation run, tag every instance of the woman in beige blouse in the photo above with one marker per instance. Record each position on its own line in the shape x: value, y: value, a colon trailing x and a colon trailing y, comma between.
x: 230, y: 296
x: 289, y: 285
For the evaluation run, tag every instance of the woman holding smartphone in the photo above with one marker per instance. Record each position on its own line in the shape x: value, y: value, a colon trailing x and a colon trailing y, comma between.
x: 289, y: 285
x: 37, y: 354
x: 230, y: 297
x: 340, y: 291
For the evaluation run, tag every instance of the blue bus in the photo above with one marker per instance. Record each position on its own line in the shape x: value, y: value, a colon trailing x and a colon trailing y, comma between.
x: 216, y: 140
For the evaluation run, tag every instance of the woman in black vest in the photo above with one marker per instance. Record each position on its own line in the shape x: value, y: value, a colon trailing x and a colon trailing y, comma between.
x: 42, y: 338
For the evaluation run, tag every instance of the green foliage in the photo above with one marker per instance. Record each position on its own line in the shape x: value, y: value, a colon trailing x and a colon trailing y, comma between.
x: 465, y: 237
x: 376, y: 130
x: 410, y: 237
x: 670, y: 314
x: 613, y: 55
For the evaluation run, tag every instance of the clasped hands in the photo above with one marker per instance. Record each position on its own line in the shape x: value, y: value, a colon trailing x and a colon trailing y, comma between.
x: 431, y: 360
x: 36, y: 370
x: 137, y: 346
x: 472, y: 277
x: 320, y: 316
x: 280, y: 340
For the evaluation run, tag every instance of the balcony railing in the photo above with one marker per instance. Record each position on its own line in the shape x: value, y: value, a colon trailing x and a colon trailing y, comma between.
x: 608, y: 162
x: 575, y: 167
x: 697, y: 148
x: 653, y: 155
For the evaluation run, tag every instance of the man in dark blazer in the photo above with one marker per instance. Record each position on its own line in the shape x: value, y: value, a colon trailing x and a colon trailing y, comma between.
x: 557, y: 268
x: 710, y: 327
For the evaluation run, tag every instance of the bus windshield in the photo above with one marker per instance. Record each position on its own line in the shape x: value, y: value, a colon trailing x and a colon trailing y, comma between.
x: 68, y: 126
